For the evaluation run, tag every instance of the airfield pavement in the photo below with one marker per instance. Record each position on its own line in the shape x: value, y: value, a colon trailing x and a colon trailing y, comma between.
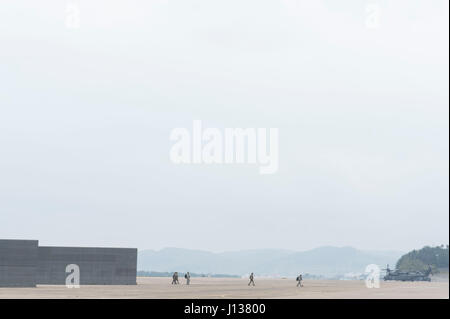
x: 157, y: 287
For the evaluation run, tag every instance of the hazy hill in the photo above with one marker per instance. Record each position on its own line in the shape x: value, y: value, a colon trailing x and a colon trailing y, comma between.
x: 418, y: 260
x: 328, y: 261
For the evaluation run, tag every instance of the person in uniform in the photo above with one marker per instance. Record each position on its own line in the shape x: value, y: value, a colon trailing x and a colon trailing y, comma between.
x: 188, y: 278
x: 175, y: 278
x: 299, y: 279
x: 252, y: 281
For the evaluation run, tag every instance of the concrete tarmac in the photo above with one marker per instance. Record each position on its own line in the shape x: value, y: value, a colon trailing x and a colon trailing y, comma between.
x: 157, y: 287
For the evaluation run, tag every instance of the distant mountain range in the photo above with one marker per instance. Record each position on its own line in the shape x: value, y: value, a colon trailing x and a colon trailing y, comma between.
x: 325, y: 261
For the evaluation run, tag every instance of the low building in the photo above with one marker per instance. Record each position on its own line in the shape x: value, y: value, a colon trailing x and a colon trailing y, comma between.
x: 18, y: 263
x: 23, y: 263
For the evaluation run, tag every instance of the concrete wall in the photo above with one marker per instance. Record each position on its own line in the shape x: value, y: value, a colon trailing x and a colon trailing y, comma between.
x: 18, y: 263
x: 98, y: 266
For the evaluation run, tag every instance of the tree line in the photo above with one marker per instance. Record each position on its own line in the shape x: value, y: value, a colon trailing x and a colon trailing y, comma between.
x: 419, y: 260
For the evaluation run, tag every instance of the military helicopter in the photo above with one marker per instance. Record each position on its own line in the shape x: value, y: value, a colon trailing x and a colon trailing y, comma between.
x: 407, y: 275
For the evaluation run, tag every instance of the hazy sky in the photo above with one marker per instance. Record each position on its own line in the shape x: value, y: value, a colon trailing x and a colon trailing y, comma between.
x: 362, y: 111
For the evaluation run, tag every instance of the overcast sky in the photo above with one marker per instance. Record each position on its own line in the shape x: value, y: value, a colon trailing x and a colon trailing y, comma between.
x: 361, y: 103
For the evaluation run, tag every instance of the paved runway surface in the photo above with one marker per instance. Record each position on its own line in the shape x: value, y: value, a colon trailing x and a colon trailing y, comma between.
x: 237, y: 288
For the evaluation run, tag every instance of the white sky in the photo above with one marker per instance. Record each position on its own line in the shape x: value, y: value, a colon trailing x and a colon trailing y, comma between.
x: 86, y: 114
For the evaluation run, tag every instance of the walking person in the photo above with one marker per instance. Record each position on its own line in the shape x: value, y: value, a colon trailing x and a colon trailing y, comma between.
x: 299, y: 279
x: 252, y: 281
x: 174, y: 278
x: 188, y: 278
